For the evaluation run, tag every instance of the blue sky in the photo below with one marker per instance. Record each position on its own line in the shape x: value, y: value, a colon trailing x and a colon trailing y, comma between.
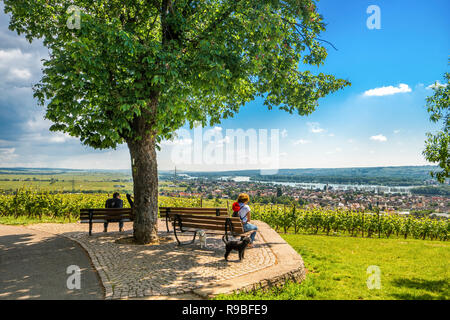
x: 380, y: 120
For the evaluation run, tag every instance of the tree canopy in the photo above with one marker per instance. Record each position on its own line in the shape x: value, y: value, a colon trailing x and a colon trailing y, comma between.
x: 437, y: 145
x: 200, y: 60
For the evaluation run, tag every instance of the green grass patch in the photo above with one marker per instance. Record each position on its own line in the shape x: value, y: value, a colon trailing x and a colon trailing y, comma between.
x: 337, y: 269
x: 24, y: 220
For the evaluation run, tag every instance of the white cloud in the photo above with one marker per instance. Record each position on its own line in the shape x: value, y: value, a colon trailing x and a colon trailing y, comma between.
x: 386, y: 91
x: 336, y: 150
x: 301, y: 141
x: 379, y: 138
x: 396, y: 131
x: 4, y: 143
x: 284, y: 133
x: 61, y: 137
x: 20, y: 74
x: 221, y: 142
x: 9, y: 56
x: 58, y: 139
x: 436, y: 85
x: 112, y: 159
x: 314, y: 127
x: 37, y: 123
x: 7, y: 154
x: 177, y: 142
x: 19, y: 68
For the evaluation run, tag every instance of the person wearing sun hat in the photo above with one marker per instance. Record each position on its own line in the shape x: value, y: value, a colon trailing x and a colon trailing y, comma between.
x: 243, y: 211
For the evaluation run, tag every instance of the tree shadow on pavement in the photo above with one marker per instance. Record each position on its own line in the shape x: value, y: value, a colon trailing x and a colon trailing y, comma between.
x: 34, y: 266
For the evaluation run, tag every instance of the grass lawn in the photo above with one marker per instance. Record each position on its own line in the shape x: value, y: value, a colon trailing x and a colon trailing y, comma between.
x: 337, y: 266
x: 23, y: 220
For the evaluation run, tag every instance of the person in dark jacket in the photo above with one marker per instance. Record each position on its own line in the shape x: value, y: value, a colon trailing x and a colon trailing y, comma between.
x: 114, y: 202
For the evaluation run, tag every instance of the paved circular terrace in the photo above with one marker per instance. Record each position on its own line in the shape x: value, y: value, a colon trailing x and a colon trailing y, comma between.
x: 169, y: 270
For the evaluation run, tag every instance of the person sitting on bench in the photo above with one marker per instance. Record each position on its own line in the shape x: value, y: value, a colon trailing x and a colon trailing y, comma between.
x: 114, y: 202
x: 245, y: 215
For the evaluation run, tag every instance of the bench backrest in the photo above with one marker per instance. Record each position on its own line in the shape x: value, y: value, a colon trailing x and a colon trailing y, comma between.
x: 107, y: 214
x: 210, y: 222
x: 193, y: 211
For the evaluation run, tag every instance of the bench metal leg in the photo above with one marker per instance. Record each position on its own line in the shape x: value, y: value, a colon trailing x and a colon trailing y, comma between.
x: 178, y: 240
x: 175, y: 234
x: 193, y: 239
x: 167, y: 223
x: 167, y: 219
x: 91, y: 216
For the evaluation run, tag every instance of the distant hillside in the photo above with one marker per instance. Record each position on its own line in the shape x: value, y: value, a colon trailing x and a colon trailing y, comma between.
x: 393, y: 176
x: 53, y: 171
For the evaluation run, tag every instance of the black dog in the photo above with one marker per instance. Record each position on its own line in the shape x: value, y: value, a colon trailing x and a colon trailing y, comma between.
x: 236, y: 245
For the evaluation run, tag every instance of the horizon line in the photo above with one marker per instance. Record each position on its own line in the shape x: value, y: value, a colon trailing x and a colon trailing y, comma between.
x: 231, y: 170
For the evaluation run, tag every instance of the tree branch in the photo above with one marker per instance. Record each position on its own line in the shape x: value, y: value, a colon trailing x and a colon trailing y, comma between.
x: 297, y: 26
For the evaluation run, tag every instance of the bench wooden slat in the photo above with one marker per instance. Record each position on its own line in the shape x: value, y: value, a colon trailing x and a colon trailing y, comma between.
x: 102, y: 220
x: 114, y: 214
x: 208, y: 221
x: 197, y: 211
x: 192, y: 208
x: 107, y: 212
x: 207, y: 224
x: 163, y: 215
x: 207, y: 227
x: 221, y: 212
x: 218, y: 218
x: 112, y: 211
x: 107, y: 209
x: 106, y: 218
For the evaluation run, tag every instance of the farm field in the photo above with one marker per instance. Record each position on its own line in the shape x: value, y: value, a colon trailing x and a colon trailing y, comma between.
x: 337, y: 266
x: 74, y: 182
x: 66, y: 181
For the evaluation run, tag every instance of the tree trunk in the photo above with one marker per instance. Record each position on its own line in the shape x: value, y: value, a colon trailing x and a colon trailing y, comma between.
x: 145, y: 178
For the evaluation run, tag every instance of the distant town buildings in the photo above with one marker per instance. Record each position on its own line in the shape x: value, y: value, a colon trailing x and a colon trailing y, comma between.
x: 327, y: 197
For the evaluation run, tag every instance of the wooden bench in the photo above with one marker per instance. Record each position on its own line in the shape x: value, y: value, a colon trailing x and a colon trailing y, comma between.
x: 169, y: 212
x: 92, y: 216
x: 230, y: 226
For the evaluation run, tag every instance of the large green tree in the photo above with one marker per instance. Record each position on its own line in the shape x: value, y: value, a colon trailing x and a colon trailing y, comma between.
x: 437, y: 145
x: 137, y: 70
